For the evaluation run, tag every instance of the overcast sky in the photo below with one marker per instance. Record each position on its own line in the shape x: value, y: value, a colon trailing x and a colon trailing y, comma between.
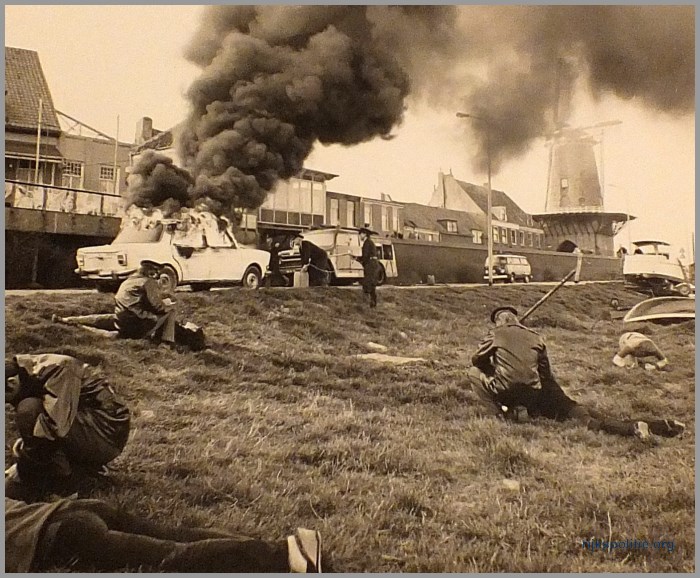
x: 107, y: 61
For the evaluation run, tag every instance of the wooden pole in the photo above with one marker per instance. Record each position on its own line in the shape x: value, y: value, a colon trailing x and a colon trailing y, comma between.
x: 116, y: 150
x: 575, y: 273
x: 38, y: 142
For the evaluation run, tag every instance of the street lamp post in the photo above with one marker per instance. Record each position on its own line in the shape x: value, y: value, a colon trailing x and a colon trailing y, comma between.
x: 489, y: 218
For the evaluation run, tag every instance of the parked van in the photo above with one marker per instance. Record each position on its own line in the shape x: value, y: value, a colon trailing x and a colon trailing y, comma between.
x: 341, y: 244
x: 509, y: 268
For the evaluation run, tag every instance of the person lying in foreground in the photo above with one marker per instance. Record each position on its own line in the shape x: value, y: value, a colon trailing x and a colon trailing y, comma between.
x: 512, y: 378
x: 92, y: 535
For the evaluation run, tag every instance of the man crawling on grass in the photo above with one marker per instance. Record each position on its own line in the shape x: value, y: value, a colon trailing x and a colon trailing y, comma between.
x: 512, y: 378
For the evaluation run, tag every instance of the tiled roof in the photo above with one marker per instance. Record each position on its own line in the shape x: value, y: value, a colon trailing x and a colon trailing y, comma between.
x: 25, y: 84
x: 498, y: 199
x: 434, y: 219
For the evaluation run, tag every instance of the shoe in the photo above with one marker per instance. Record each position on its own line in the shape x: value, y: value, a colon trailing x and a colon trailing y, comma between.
x: 667, y: 428
x: 519, y: 414
x: 641, y: 430
x: 305, y: 551
x: 17, y: 447
x: 56, y: 319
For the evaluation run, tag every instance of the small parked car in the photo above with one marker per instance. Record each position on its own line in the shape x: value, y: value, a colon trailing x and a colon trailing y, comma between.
x: 509, y: 268
x: 197, y: 248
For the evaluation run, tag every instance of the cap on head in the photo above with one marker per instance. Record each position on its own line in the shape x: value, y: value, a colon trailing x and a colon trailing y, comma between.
x: 498, y: 310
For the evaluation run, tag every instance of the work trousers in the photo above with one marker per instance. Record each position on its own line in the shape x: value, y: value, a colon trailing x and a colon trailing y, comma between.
x: 548, y: 401
x: 95, y: 536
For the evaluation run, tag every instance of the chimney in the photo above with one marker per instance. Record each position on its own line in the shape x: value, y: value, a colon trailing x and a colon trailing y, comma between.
x: 144, y: 130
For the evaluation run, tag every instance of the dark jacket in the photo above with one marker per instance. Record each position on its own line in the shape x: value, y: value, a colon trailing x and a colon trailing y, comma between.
x: 515, y: 356
x: 370, y: 263
x: 138, y: 305
x: 68, y: 389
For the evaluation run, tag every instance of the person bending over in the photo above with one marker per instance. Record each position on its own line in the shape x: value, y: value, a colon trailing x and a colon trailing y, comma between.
x: 511, y: 376
x: 70, y: 421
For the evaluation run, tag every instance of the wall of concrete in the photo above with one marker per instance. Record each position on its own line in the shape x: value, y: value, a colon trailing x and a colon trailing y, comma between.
x: 42, y: 259
x: 416, y: 260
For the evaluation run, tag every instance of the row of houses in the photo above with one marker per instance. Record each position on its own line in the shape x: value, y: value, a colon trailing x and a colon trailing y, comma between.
x: 57, y: 164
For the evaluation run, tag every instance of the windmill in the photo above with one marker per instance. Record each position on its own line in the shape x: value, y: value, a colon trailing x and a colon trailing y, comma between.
x: 574, y: 215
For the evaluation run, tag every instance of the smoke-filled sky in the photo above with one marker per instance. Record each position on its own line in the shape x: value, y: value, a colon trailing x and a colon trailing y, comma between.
x: 260, y: 87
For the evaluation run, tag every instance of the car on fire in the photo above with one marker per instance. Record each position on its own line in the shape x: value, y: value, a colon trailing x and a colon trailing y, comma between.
x: 341, y: 244
x: 196, y: 249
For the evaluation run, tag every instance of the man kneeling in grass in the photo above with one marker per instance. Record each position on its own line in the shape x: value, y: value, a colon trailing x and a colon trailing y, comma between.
x: 512, y: 378
x: 91, y: 535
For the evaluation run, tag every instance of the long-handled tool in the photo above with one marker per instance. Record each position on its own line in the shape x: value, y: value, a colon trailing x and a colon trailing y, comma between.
x: 575, y: 273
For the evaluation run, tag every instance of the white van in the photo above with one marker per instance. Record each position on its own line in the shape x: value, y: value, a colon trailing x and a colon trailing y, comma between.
x: 341, y: 244
x: 509, y: 268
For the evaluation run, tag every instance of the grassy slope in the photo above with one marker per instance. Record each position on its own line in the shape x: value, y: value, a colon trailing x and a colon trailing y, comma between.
x: 278, y: 426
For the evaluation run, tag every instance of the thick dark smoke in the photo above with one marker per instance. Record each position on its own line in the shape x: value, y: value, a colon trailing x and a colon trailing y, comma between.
x: 277, y: 79
x: 155, y: 181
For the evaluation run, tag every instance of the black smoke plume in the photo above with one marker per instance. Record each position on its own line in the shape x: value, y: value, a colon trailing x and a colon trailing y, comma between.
x: 277, y: 79
x: 155, y: 181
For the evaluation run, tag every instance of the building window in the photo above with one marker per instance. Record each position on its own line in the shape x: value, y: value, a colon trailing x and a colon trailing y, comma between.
x: 477, y: 236
x: 72, y: 175
x: 395, y: 219
x: 368, y: 216
x: 529, y: 239
x: 538, y: 241
x: 494, y: 234
x: 385, y: 218
x: 107, y: 183
x: 451, y: 226
x: 350, y: 214
x: 522, y: 238
x: 500, y: 213
x: 504, y: 236
x: 513, y: 237
x: 334, y: 214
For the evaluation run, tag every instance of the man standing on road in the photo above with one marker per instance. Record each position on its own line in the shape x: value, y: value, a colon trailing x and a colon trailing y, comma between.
x: 370, y: 266
x: 512, y: 378
x: 69, y: 418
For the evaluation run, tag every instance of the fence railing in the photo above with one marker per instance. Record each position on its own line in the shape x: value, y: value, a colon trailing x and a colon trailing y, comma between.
x: 61, y: 199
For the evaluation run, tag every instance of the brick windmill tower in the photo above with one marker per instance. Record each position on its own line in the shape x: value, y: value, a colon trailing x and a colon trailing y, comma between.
x: 574, y: 214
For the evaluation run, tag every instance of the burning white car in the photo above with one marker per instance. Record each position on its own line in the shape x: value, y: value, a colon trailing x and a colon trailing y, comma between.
x: 197, y: 248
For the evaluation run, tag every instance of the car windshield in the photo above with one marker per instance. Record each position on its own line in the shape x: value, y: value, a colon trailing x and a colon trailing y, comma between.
x: 134, y: 235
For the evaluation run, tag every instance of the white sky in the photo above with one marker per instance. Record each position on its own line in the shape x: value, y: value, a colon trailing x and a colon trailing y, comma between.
x: 107, y: 61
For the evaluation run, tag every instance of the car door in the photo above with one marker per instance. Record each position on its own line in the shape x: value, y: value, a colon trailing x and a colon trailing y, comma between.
x: 226, y: 262
x: 189, y: 250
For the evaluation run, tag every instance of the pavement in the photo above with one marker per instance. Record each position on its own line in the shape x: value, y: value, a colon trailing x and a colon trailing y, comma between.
x: 79, y: 291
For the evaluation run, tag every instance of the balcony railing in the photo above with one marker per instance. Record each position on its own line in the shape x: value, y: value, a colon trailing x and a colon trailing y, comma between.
x: 61, y: 199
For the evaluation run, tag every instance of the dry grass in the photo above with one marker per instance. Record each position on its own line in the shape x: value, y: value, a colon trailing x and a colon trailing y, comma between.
x: 278, y: 426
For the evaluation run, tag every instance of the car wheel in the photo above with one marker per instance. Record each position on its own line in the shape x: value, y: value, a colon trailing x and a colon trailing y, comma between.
x: 512, y: 277
x: 251, y: 278
x: 683, y: 289
x: 168, y: 280
x: 381, y: 276
x: 526, y: 279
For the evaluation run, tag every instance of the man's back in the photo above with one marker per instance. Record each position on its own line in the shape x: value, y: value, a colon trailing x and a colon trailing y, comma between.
x: 138, y: 295
x: 514, y: 352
